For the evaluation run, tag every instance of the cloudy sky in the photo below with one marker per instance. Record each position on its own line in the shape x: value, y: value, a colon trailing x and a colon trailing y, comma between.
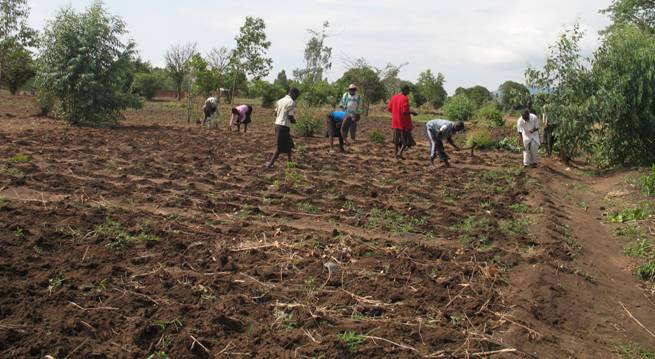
x: 472, y: 42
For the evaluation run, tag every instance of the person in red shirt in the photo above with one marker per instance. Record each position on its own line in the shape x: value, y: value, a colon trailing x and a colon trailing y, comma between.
x: 401, y: 121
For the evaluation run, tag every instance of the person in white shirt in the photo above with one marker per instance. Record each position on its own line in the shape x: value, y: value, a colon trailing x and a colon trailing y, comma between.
x: 209, y: 109
x: 285, y: 116
x: 528, y: 129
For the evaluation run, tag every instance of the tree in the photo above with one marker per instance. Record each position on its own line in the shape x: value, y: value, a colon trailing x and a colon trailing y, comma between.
x: 318, y: 59
x: 478, y: 94
x: 282, y: 81
x: 624, y: 75
x: 269, y: 93
x: 85, y: 64
x: 459, y: 108
x: 206, y: 79
x: 568, y: 83
x: 13, y: 29
x: 147, y: 84
x: 18, y: 67
x: 219, y: 59
x: 431, y: 88
x: 368, y: 81
x: 640, y: 13
x: 177, y: 64
x: 250, y: 57
x: 513, y: 95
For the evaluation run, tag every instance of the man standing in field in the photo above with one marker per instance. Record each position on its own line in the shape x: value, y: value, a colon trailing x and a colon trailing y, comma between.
x: 209, y: 109
x: 528, y: 129
x: 401, y: 122
x: 285, y: 116
x: 351, y: 102
x: 439, y: 130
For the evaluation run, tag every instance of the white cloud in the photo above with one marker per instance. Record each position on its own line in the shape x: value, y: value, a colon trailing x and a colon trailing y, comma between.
x: 471, y: 41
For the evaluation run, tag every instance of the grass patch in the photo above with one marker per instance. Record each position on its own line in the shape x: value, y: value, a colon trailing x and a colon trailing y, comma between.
x: 629, y: 215
x: 648, y: 183
x: 467, y: 228
x: 376, y: 136
x: 641, y: 248
x: 119, y: 236
x: 3, y: 202
x: 517, y: 226
x: 481, y: 139
x: 20, y: 158
x: 353, y: 340
x: 393, y: 221
x: 647, y: 271
x: 634, y: 351
x: 307, y: 207
x: 508, y: 144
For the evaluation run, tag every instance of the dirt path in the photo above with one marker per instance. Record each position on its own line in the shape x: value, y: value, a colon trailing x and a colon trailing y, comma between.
x: 572, y: 290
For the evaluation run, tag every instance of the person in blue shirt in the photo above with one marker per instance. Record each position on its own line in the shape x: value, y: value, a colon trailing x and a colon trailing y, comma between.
x: 336, y: 123
x: 439, y: 130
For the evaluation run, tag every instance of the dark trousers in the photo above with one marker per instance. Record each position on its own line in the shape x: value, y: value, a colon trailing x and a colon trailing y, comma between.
x: 436, y: 145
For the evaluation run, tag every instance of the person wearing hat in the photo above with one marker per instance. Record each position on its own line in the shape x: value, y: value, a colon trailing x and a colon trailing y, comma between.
x: 351, y: 102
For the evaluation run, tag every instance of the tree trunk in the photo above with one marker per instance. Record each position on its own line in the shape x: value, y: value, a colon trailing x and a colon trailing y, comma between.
x: 234, y: 86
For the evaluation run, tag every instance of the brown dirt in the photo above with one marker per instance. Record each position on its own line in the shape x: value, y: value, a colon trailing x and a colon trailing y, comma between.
x: 280, y: 263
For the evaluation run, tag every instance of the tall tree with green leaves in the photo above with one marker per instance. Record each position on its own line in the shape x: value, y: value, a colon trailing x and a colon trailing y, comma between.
x: 86, y: 65
x: 19, y: 68
x: 250, y: 55
x: 624, y: 75
x: 318, y: 58
x: 431, y: 88
x: 513, y: 95
x: 570, y: 102
x: 478, y: 94
x: 14, y: 31
x: 177, y: 64
x: 640, y: 13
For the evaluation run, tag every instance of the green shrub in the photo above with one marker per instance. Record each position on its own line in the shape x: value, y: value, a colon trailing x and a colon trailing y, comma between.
x: 459, y: 108
x: 85, y: 64
x: 480, y: 139
x: 147, y: 84
x: 376, y: 136
x: 649, y: 183
x: 46, y: 101
x: 308, y: 123
x: 508, y: 144
x: 490, y: 113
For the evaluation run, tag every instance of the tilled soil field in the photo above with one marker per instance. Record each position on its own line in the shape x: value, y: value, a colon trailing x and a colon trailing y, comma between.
x: 149, y: 239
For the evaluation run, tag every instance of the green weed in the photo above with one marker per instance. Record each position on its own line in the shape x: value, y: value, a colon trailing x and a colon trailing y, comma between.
x: 647, y: 271
x: 3, y: 202
x: 307, y: 207
x: 158, y: 355
x: 634, y: 351
x: 393, y: 221
x: 648, y: 182
x: 517, y: 227
x: 20, y: 158
x: 456, y: 320
x: 174, y: 324
x: 467, y: 227
x: 631, y: 231
x: 376, y: 136
x: 19, y: 233
x: 629, y: 215
x: 641, y: 248
x: 352, y: 339
x: 289, y: 322
x: 55, y: 283
x: 119, y: 236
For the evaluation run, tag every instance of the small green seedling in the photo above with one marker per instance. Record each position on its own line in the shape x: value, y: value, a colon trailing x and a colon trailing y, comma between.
x: 352, y: 339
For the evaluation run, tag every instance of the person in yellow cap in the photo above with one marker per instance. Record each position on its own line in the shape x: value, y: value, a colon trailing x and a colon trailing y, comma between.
x: 351, y: 103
